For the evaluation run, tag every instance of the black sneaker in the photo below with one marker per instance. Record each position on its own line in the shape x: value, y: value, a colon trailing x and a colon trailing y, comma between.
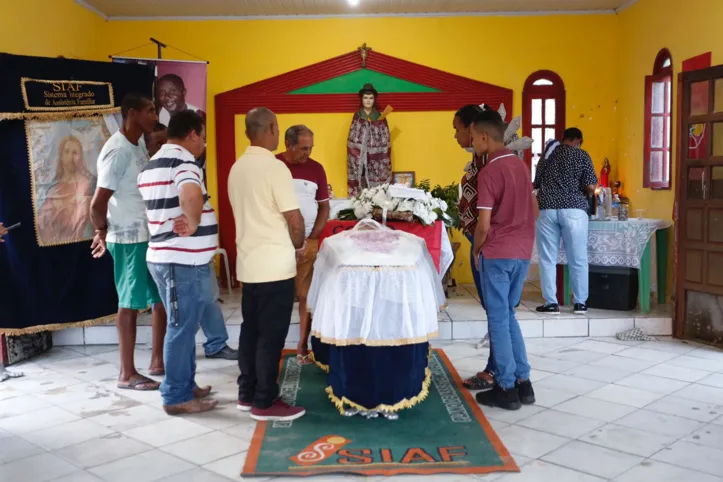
x: 580, y: 309
x: 525, y: 392
x: 226, y: 353
x: 553, y: 309
x: 498, y: 397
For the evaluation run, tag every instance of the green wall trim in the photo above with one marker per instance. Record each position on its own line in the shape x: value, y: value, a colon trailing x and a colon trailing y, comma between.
x: 352, y: 82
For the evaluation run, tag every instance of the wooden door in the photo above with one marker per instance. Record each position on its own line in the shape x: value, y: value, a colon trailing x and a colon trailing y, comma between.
x: 699, y: 290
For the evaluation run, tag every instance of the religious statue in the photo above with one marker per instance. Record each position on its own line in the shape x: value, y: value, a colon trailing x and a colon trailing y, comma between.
x: 368, y: 145
x: 605, y: 174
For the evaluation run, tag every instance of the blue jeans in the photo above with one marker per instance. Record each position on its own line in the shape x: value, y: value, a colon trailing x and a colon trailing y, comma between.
x: 490, y: 368
x: 188, y: 294
x: 572, y: 226
x: 214, y: 326
x: 502, y: 282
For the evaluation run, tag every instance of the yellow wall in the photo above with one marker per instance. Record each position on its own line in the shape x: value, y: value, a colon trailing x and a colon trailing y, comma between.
x: 50, y: 28
x: 686, y: 29
x: 498, y: 50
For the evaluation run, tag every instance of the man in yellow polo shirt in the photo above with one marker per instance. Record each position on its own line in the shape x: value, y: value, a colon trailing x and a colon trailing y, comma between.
x: 269, y: 230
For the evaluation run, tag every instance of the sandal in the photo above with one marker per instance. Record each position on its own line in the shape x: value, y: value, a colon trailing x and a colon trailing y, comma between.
x: 157, y: 372
x: 139, y: 383
x: 307, y: 359
x: 479, y: 383
x: 202, y: 392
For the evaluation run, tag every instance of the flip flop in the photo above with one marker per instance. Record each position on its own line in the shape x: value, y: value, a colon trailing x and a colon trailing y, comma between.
x: 478, y: 383
x: 305, y: 359
x: 141, y: 384
x: 157, y: 372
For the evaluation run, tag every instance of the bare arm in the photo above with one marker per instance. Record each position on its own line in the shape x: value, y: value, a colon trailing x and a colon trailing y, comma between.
x: 483, y: 229
x: 535, y: 207
x: 99, y: 208
x: 99, y: 220
x: 321, y: 218
x: 590, y: 190
x: 296, y: 227
x: 190, y: 197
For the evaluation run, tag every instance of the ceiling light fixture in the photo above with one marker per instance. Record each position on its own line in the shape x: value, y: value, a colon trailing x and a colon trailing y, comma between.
x: 353, y: 3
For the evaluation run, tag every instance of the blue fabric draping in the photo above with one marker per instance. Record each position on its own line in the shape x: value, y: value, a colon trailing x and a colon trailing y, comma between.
x: 371, y: 376
x: 49, y: 287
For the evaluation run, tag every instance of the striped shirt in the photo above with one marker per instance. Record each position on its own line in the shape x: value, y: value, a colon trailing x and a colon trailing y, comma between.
x: 159, y: 182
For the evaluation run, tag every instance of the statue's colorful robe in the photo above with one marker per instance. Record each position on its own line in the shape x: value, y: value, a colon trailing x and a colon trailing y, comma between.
x: 368, y: 152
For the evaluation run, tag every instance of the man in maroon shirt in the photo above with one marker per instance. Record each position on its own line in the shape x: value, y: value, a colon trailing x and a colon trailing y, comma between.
x: 503, y: 243
x: 312, y: 190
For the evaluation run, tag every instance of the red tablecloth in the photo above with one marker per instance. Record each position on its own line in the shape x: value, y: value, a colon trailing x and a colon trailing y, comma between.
x: 432, y: 235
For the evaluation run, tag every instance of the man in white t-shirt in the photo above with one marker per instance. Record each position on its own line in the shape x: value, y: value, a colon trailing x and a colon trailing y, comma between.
x: 119, y: 217
x: 172, y: 99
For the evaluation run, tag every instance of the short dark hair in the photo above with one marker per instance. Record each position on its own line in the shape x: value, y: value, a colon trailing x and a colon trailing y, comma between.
x: 572, y: 134
x: 293, y: 133
x: 490, y: 121
x: 173, y: 78
x: 159, y: 127
x: 133, y: 101
x: 183, y: 123
x: 468, y: 114
x: 258, y: 120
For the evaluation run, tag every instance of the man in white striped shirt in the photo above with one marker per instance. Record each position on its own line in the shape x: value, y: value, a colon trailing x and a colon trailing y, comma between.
x: 184, y: 239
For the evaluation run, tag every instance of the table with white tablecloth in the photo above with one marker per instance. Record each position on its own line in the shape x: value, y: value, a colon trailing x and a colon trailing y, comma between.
x: 628, y: 244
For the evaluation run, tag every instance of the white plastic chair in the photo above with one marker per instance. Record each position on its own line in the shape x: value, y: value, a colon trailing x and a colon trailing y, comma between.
x: 224, y: 256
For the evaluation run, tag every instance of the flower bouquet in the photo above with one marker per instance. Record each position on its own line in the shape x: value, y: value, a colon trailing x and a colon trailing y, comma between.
x: 371, y: 203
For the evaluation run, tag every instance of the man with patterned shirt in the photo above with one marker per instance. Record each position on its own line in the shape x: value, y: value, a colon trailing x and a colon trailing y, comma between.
x: 564, y: 179
x: 468, y: 214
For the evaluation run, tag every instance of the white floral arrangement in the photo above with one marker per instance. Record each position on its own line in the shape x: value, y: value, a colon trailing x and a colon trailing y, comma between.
x: 425, y: 208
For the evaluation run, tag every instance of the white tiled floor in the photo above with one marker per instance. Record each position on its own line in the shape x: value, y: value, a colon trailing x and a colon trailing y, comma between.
x: 607, y: 410
x: 463, y: 319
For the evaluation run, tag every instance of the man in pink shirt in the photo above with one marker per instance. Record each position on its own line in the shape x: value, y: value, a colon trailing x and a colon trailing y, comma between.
x: 503, y: 241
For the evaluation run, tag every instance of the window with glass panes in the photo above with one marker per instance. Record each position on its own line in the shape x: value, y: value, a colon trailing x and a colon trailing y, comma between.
x: 543, y: 112
x: 658, y: 130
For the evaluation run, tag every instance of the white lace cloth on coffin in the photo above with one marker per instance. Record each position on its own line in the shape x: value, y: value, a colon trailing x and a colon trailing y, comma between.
x: 375, y: 288
x: 446, y: 256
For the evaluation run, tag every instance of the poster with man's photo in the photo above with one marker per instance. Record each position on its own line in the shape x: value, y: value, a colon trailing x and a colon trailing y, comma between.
x: 180, y: 85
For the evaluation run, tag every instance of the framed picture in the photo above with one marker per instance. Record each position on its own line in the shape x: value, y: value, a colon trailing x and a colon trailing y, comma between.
x: 405, y: 178
x: 63, y: 157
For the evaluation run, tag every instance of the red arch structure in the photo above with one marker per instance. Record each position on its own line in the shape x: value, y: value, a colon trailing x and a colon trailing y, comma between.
x: 277, y: 93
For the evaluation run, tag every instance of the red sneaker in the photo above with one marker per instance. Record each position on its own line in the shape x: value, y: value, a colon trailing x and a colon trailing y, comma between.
x: 279, y: 410
x: 244, y: 406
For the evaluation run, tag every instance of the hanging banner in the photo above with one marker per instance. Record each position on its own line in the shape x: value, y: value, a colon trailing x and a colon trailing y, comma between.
x: 48, y: 277
x: 54, y: 95
x: 180, y: 86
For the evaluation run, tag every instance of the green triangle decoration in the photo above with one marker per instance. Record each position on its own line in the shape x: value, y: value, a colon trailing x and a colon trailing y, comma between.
x: 352, y: 82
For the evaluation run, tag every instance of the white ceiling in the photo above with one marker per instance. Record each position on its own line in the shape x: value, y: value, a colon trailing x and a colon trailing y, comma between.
x: 119, y: 9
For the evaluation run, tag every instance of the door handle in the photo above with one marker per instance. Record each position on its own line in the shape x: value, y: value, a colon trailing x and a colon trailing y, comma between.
x: 702, y: 183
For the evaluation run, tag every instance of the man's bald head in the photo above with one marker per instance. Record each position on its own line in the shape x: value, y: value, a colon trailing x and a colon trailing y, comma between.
x: 262, y: 128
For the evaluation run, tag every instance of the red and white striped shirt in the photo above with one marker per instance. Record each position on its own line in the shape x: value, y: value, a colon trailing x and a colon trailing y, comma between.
x: 159, y: 182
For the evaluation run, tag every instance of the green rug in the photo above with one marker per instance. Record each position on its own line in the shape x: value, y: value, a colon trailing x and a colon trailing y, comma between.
x: 445, y: 433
